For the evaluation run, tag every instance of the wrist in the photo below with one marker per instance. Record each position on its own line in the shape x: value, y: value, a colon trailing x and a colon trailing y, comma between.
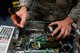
x: 68, y: 20
x: 23, y: 8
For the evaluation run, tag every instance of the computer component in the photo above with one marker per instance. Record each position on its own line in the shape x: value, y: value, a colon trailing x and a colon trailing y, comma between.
x: 6, y: 33
x: 36, y: 38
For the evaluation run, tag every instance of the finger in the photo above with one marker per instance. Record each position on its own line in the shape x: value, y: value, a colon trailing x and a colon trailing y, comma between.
x: 61, y: 33
x: 66, y: 33
x: 52, y: 23
x: 70, y: 28
x: 16, y: 24
x: 55, y: 31
x: 14, y: 21
x: 23, y: 23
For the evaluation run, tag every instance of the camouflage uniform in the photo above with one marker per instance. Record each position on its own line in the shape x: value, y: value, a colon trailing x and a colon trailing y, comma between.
x: 52, y: 10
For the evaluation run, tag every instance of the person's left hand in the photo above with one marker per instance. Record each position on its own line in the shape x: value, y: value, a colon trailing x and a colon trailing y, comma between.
x: 22, y: 13
x: 64, y: 26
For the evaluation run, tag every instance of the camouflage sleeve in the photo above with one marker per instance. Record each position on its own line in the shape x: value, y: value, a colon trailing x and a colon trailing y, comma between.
x: 25, y: 2
x: 75, y: 12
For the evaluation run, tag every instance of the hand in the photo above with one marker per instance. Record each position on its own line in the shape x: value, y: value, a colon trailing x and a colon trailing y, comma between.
x: 64, y: 26
x: 22, y: 13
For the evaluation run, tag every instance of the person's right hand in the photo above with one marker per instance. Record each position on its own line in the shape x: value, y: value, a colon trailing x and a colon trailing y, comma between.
x: 22, y: 13
x: 64, y: 26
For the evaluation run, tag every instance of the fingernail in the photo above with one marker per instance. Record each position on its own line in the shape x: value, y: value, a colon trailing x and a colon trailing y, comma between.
x: 56, y: 38
x: 21, y: 26
x: 63, y: 37
x: 52, y: 34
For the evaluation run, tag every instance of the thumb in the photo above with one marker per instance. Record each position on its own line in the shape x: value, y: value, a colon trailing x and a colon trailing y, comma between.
x: 22, y: 23
x: 53, y: 23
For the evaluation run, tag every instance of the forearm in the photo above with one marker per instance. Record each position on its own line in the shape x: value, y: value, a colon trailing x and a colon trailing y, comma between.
x: 26, y: 3
x: 75, y: 12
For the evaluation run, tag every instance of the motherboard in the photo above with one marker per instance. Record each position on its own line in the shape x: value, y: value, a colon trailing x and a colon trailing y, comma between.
x: 36, y: 38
